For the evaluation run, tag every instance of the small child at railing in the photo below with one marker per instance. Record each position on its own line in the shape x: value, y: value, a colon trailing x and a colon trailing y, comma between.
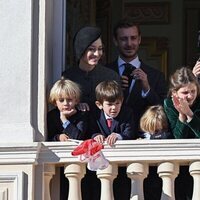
x: 65, y: 121
x: 154, y: 123
x: 111, y: 121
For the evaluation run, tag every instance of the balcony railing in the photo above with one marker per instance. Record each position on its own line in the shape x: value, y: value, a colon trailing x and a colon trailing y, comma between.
x: 39, y: 161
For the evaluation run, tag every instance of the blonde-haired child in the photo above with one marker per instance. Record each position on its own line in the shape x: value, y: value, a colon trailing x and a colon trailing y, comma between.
x: 154, y: 123
x: 66, y: 121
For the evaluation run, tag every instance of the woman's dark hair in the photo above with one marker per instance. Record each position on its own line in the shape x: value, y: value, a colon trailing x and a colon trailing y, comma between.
x: 83, y: 38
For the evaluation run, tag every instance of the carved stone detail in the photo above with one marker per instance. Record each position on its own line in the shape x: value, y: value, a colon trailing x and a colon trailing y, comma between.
x: 145, y: 13
x: 11, y: 185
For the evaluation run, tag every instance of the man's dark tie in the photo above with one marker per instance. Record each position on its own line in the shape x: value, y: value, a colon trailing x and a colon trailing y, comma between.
x: 128, y: 68
x: 109, y: 123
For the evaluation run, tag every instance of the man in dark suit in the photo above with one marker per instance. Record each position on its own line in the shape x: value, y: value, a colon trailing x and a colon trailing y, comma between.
x: 146, y: 86
x: 143, y: 86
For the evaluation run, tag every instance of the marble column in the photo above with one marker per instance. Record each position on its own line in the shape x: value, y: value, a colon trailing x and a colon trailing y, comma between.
x: 137, y: 172
x: 74, y: 173
x: 194, y: 170
x: 168, y: 171
x: 49, y: 171
x: 106, y: 177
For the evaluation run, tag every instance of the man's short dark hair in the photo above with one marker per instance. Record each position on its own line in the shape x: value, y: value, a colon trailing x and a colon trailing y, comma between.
x: 125, y: 23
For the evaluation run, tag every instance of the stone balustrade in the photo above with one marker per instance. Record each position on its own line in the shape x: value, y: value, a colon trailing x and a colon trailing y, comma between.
x: 29, y: 171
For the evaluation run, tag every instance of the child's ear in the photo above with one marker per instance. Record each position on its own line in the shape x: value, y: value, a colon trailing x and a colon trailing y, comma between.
x: 98, y: 104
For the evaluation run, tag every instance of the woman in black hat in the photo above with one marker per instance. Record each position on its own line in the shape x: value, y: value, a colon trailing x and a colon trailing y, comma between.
x: 88, y: 73
x: 88, y: 49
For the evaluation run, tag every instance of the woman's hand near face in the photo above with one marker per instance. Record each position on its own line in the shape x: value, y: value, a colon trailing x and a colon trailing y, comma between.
x: 186, y: 110
x: 182, y: 106
x: 196, y: 69
x: 182, y: 117
x: 176, y: 103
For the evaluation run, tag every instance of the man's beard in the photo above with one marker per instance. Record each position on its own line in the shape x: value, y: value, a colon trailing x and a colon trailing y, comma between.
x: 128, y: 56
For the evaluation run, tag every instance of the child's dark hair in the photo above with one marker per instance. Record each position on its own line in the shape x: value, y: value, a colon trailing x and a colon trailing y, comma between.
x: 108, y: 91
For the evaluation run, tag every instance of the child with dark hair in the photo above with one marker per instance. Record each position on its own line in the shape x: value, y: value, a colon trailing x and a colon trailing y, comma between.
x: 113, y: 122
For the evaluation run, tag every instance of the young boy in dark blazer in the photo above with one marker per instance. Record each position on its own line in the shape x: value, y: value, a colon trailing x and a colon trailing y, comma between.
x: 109, y: 99
x: 112, y: 121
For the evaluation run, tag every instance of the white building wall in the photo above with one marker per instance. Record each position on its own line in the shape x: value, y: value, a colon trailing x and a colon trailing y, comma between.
x: 31, y: 51
x: 15, y: 65
x: 31, y: 59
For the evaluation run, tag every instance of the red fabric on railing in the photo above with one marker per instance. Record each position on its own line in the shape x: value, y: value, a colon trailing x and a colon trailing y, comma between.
x: 89, y: 146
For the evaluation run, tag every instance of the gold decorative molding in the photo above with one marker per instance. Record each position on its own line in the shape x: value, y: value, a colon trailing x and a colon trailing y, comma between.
x: 147, y: 13
x: 157, y: 48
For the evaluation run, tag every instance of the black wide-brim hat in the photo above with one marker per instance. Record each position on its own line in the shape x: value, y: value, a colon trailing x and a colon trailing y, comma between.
x: 84, y: 38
